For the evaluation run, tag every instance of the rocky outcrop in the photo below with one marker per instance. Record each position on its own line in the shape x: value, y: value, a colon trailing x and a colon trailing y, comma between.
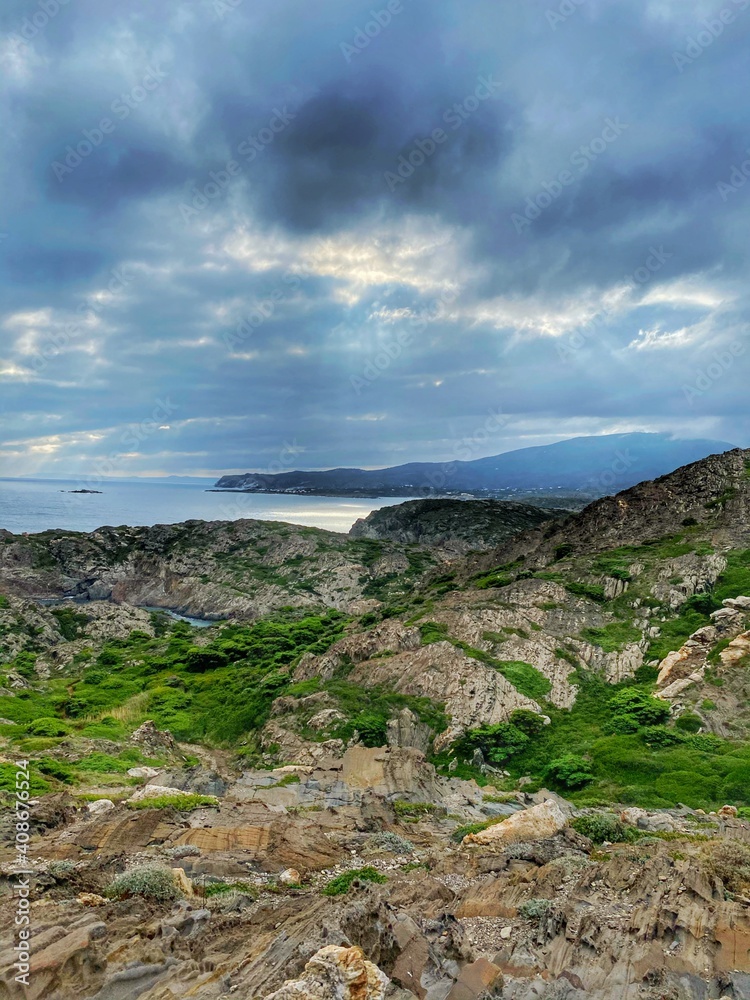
x: 389, y: 636
x: 454, y: 527
x: 473, y: 694
x: 686, y: 666
x: 213, y: 569
x: 714, y: 491
x: 540, y: 822
x: 338, y: 972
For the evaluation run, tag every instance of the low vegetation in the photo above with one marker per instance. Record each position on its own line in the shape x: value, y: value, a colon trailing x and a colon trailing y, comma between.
x: 342, y: 883
x: 150, y: 881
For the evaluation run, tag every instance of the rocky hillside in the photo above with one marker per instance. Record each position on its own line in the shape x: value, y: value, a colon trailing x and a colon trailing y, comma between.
x: 395, y: 771
x: 454, y: 527
x: 212, y: 569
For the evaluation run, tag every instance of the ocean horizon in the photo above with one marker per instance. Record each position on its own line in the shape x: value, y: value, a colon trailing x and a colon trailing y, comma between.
x: 35, y: 505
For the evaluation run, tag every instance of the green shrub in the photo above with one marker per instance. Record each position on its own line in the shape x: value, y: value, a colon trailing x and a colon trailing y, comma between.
x: 686, y: 786
x: 37, y: 785
x: 632, y: 708
x: 71, y: 623
x: 149, y: 881
x: 496, y: 742
x: 342, y: 883
x: 463, y: 831
x: 55, y: 769
x: 402, y: 808
x: 47, y: 726
x: 659, y: 737
x: 570, y: 771
x: 527, y: 721
x: 61, y: 869
x: 599, y: 827
x: 433, y: 632
x: 689, y: 722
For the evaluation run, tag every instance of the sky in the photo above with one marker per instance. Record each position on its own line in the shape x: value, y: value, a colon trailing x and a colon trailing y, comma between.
x: 262, y: 236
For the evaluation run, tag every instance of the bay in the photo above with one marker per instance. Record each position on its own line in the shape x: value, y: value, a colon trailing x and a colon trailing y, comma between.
x: 34, y: 505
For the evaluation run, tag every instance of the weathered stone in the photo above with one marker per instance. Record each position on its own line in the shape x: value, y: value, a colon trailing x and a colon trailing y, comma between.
x: 338, y: 972
x: 480, y: 979
x: 99, y: 806
x: 537, y: 823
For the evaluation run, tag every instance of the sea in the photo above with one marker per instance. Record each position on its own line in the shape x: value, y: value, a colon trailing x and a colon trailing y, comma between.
x: 34, y: 505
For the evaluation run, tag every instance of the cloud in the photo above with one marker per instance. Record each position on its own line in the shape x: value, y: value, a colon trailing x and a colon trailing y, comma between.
x: 281, y: 244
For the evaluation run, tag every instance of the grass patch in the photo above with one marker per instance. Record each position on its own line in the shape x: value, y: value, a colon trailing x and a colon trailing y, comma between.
x: 183, y: 803
x: 613, y: 637
x: 342, y: 883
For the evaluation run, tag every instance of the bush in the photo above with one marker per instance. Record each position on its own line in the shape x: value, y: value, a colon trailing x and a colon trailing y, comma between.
x: 527, y: 721
x: 686, y: 786
x: 342, y: 883
x: 392, y: 842
x: 689, y: 722
x: 570, y: 771
x: 47, y: 726
x: 600, y: 827
x: 60, y: 869
x: 149, y: 881
x: 55, y: 769
x: 633, y: 708
x: 496, y: 742
x: 730, y: 861
x: 535, y: 909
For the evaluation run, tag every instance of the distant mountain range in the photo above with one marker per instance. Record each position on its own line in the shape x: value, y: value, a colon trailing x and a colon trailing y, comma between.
x: 595, y: 465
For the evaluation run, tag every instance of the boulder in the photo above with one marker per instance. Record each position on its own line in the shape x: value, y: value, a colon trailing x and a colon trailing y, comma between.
x: 338, y: 972
x: 481, y: 979
x: 741, y: 603
x: 147, y: 735
x: 143, y: 772
x: 100, y: 806
x: 537, y: 823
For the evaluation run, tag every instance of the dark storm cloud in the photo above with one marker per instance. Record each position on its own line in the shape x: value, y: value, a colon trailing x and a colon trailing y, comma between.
x: 414, y: 220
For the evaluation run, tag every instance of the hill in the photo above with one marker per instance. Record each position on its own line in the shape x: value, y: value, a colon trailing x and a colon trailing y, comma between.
x: 595, y: 465
x: 467, y: 763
